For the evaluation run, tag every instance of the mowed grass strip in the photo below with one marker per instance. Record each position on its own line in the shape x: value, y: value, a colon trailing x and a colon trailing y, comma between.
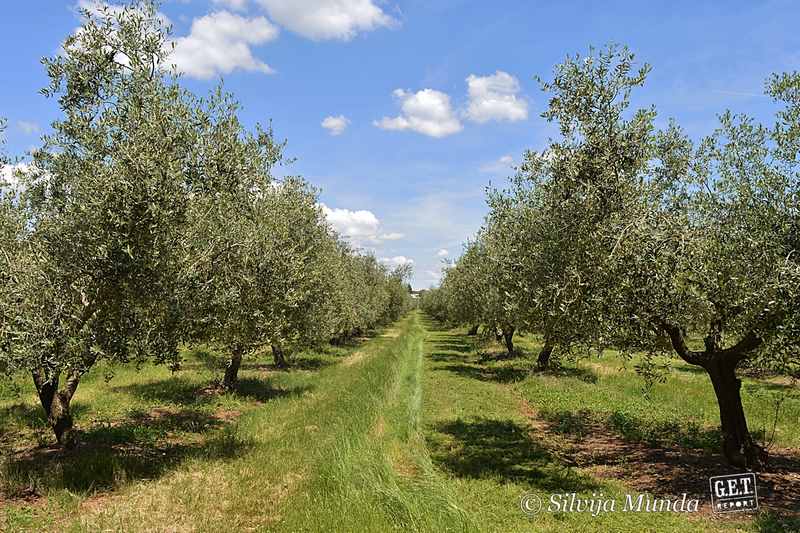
x: 376, y: 475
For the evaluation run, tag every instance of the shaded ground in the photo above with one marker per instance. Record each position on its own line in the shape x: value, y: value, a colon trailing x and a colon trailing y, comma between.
x: 667, y: 471
x: 142, y: 446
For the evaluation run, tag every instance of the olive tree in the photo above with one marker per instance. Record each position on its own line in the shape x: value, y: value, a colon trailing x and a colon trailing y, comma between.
x: 476, y: 288
x: 668, y: 241
x: 361, y: 294
x: 96, y: 270
x: 712, y: 254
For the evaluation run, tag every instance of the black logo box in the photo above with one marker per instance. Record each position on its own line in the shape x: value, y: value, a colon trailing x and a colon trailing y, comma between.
x: 735, y: 492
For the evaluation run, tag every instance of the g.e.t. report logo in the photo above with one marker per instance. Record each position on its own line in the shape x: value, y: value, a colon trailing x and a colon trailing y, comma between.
x: 736, y: 492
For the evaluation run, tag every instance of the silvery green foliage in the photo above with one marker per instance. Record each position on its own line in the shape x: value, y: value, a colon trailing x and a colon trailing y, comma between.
x: 713, y: 249
x: 11, y: 231
x: 105, y: 201
x: 621, y: 235
x: 264, y: 277
x: 368, y: 294
x: 98, y: 266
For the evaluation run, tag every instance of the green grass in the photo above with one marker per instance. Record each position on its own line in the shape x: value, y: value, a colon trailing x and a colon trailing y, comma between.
x: 406, y: 431
x: 681, y: 411
x: 480, y: 436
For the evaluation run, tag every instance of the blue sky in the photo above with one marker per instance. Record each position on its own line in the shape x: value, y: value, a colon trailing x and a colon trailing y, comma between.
x: 437, y: 96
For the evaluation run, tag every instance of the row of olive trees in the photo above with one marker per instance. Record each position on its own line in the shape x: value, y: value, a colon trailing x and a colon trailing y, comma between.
x: 150, y: 218
x: 622, y: 234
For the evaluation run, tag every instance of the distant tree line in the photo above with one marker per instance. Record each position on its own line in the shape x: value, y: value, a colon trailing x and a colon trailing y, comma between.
x: 628, y: 235
x: 150, y: 218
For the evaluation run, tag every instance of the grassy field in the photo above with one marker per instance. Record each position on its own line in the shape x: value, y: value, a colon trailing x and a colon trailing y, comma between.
x: 408, y: 431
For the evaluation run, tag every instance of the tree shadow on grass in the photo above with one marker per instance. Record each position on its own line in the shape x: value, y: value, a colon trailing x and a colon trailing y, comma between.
x: 584, y: 374
x: 656, y: 432
x: 445, y: 357
x: 772, y: 522
x: 309, y: 362
x: 32, y: 416
x: 483, y: 448
x: 181, y: 391
x: 454, y: 346
x: 670, y: 458
x: 498, y: 374
x: 142, y: 446
x: 434, y: 325
x: 261, y: 391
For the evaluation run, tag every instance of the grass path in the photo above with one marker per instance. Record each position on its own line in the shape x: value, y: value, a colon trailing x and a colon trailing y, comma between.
x: 406, y: 432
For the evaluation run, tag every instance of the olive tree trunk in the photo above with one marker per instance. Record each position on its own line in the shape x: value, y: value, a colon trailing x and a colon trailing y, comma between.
x: 232, y: 370
x: 543, y: 360
x: 279, y: 356
x: 737, y: 443
x: 56, y: 405
x: 508, y: 339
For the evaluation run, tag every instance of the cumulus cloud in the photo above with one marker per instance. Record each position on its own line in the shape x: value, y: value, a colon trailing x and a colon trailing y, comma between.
x: 502, y: 164
x: 360, y: 224
x: 28, y: 128
x: 396, y: 261
x: 238, y: 5
x: 336, y: 125
x: 220, y: 43
x: 360, y: 227
x: 495, y: 98
x: 427, y: 111
x: 327, y: 19
x: 442, y: 253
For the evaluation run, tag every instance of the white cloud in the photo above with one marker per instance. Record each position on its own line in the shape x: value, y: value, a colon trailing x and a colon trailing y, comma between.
x: 335, y: 125
x: 356, y: 225
x: 502, y: 164
x: 327, y: 19
x: 428, y: 112
x: 220, y: 42
x: 442, y: 253
x: 238, y: 5
x: 360, y: 227
x: 396, y: 261
x: 28, y: 128
x: 495, y: 98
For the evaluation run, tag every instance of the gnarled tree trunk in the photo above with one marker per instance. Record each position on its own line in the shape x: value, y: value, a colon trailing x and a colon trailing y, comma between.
x: 544, y: 356
x: 508, y: 338
x: 56, y: 405
x: 278, y: 355
x: 232, y: 370
x: 737, y: 443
